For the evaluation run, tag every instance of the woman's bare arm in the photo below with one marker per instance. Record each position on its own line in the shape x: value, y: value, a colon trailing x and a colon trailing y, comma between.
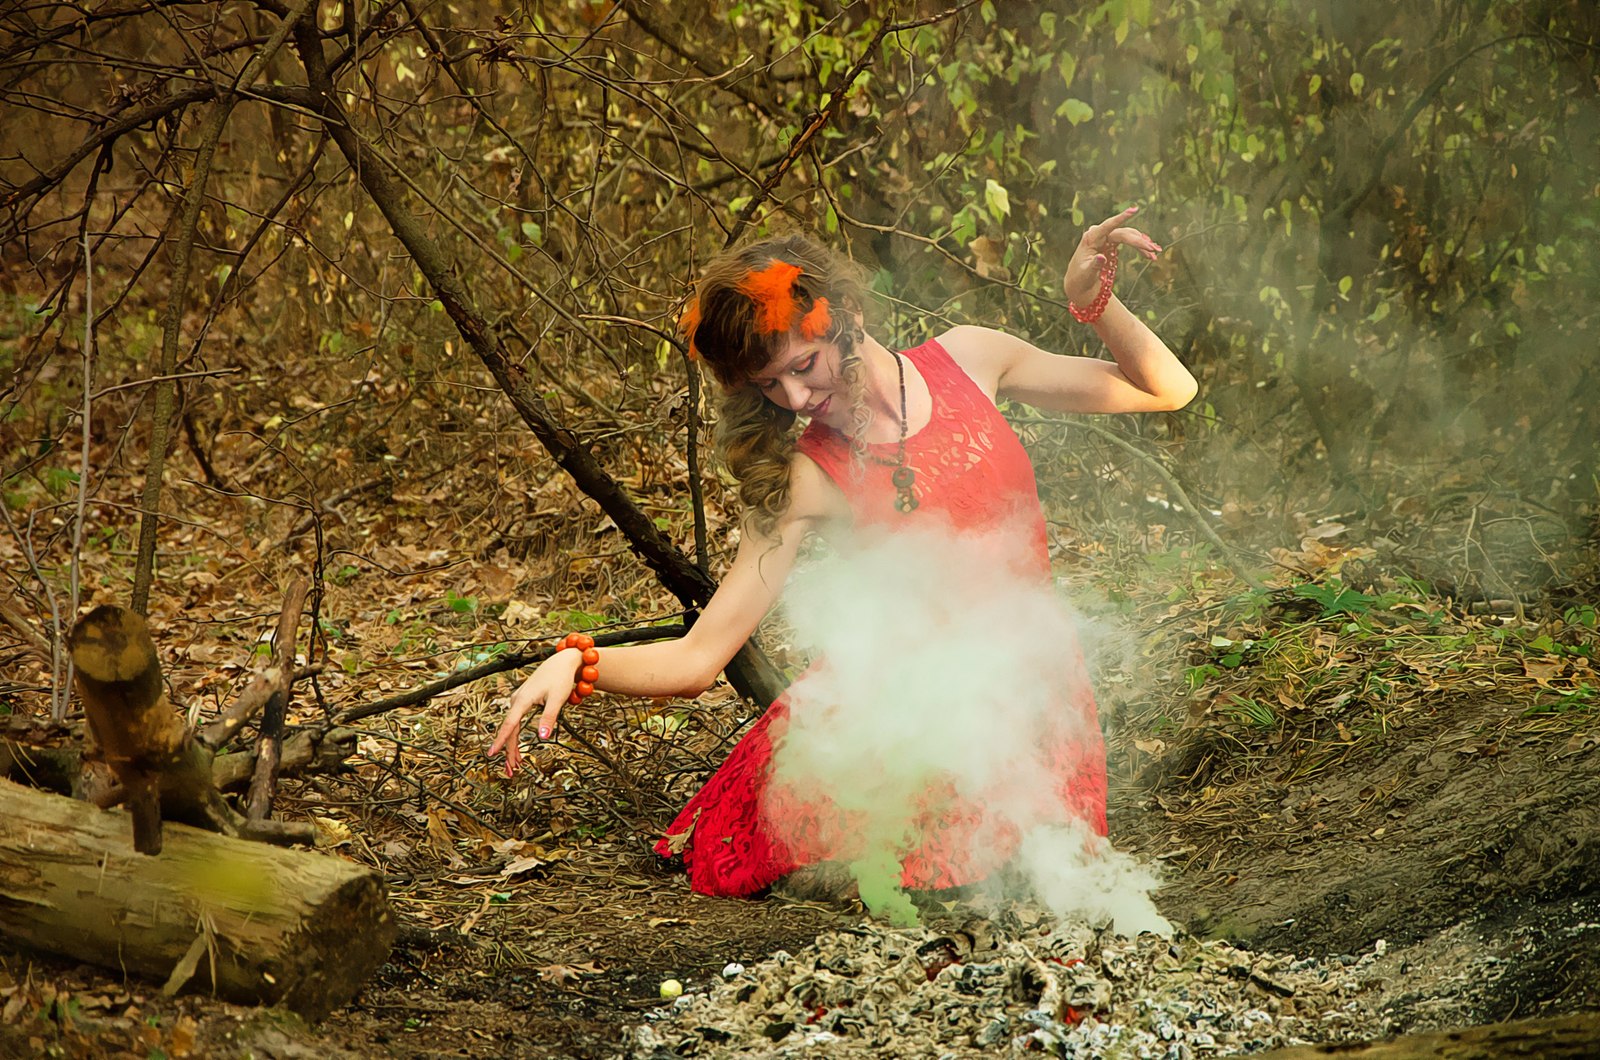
x: 1143, y: 375
x: 687, y: 666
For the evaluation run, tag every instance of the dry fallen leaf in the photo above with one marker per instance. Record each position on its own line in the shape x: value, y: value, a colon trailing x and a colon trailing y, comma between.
x: 520, y: 865
x: 183, y: 1035
x: 567, y: 973
x: 676, y: 843
x: 439, y: 837
x: 331, y: 832
x: 1542, y: 670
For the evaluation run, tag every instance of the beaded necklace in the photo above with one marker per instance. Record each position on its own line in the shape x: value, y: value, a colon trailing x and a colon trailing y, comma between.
x: 904, y: 476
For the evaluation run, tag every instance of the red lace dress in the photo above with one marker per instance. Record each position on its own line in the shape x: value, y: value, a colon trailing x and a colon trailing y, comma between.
x: 972, y: 475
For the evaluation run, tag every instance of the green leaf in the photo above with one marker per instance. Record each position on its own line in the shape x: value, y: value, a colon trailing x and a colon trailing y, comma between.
x: 997, y: 199
x: 964, y: 227
x: 1075, y: 111
x: 576, y: 619
x: 532, y: 232
x: 1336, y: 598
x: 57, y: 479
x: 1068, y: 67
x: 1357, y: 83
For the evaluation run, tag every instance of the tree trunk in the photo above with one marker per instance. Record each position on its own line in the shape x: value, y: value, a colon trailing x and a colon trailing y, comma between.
x: 254, y: 923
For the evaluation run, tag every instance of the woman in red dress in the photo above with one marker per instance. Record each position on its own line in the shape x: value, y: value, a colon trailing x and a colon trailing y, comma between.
x: 895, y: 441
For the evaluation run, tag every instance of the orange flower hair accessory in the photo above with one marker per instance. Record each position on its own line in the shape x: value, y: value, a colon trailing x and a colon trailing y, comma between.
x: 688, y: 323
x: 772, y: 290
x: 817, y: 321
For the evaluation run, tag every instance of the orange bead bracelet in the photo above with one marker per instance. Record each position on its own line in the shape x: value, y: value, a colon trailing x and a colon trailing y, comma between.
x: 1108, y: 276
x: 590, y: 672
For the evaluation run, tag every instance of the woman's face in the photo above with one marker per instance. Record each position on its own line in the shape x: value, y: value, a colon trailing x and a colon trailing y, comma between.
x: 805, y: 378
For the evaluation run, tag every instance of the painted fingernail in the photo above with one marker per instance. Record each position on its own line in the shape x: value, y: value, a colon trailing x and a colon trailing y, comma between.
x: 544, y: 732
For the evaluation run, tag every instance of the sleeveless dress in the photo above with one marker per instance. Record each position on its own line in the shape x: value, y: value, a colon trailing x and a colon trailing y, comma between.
x: 972, y: 475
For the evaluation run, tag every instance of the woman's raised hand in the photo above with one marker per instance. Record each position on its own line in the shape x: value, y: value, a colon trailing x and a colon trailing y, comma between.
x: 548, y: 688
x: 1081, y: 283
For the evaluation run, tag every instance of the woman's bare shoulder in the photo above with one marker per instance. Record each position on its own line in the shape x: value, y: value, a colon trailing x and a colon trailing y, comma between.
x: 983, y: 353
x: 814, y: 498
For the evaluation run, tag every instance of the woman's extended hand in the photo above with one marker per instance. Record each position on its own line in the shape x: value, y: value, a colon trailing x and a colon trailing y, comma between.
x: 1081, y: 283
x: 547, y: 687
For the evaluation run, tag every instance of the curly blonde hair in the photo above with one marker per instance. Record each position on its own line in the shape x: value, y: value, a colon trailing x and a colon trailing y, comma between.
x: 755, y: 437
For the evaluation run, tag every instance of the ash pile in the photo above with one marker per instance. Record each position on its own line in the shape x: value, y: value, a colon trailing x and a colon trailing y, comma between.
x: 1015, y: 983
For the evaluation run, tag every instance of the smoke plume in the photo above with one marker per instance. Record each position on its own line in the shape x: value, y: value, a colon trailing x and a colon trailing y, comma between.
x: 947, y: 685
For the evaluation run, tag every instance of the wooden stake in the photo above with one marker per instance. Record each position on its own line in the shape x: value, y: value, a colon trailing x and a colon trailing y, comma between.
x: 163, y: 770
x: 270, y: 748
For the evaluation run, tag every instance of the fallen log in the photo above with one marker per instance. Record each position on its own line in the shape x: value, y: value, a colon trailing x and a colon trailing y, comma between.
x: 253, y: 923
x: 1575, y: 1037
x: 306, y: 752
x: 312, y: 750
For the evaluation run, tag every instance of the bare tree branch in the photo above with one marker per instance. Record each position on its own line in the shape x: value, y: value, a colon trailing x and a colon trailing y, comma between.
x: 166, y: 391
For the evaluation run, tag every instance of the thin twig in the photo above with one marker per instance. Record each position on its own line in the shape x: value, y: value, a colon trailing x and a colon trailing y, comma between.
x: 1229, y: 556
x: 820, y: 121
x: 132, y: 383
x: 24, y: 629
x: 25, y: 539
x: 697, y: 496
x: 423, y: 693
x: 59, y: 703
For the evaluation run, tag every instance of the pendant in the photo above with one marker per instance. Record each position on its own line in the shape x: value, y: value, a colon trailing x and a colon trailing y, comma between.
x: 904, y: 479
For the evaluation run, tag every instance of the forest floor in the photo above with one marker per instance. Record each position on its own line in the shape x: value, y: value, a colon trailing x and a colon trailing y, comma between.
x: 1320, y: 768
x: 1453, y: 853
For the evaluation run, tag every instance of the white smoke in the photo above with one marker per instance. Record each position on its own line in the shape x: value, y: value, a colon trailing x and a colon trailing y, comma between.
x: 944, y: 678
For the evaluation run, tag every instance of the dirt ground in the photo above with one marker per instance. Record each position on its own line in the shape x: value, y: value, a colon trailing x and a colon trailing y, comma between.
x: 1467, y: 840
x: 1462, y: 832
